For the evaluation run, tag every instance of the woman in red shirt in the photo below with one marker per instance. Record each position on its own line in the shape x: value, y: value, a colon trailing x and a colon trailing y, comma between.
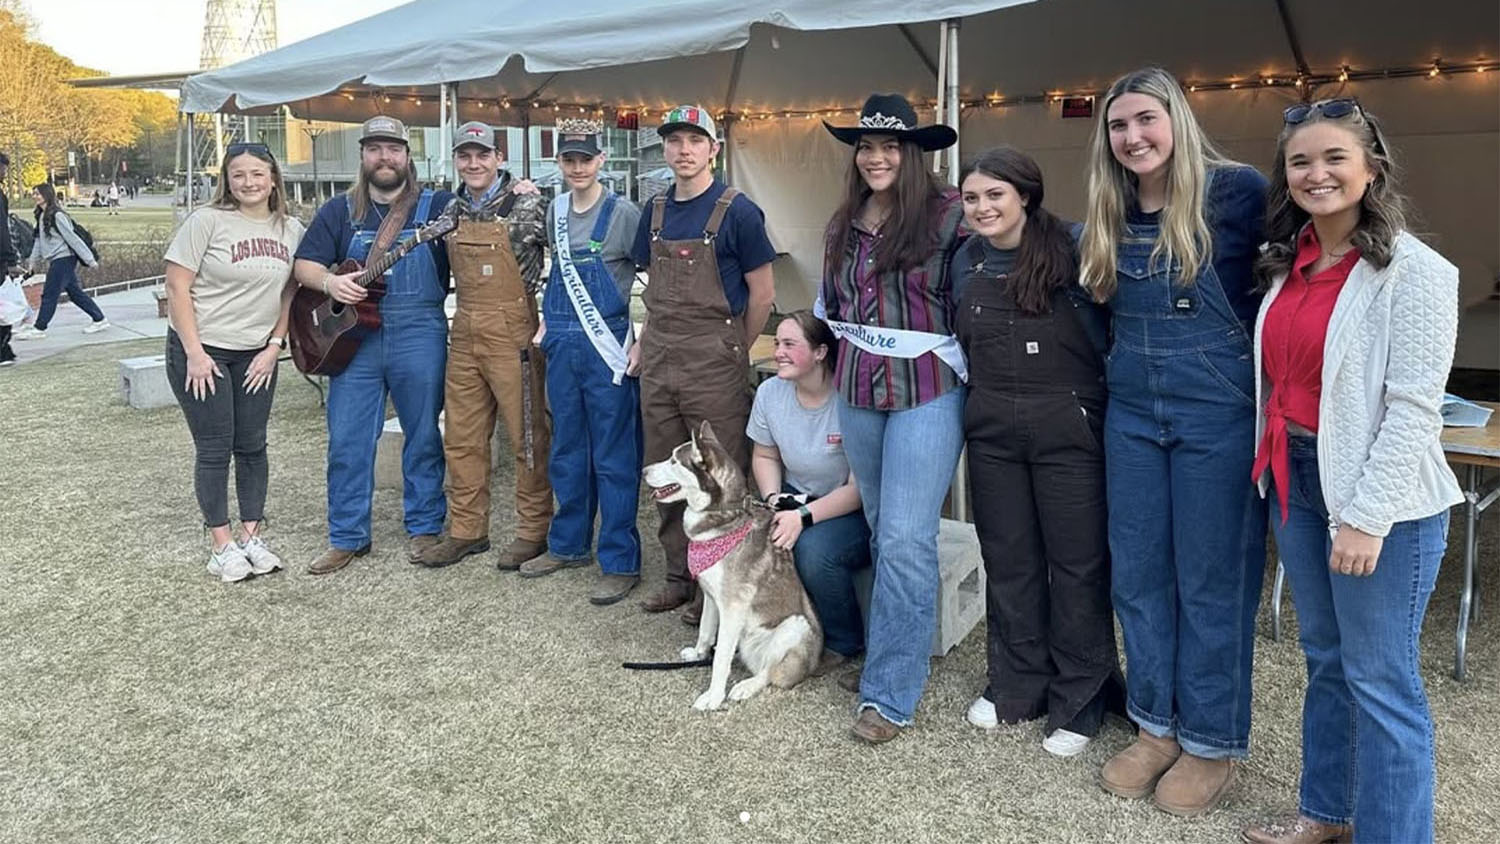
x: 1353, y: 345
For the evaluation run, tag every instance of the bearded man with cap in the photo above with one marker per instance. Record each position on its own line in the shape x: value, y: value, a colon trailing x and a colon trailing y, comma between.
x: 403, y: 359
x: 709, y: 292
x: 496, y: 254
x: 585, y: 334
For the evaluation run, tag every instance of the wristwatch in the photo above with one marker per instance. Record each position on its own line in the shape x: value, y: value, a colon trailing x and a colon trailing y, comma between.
x: 807, y: 519
x: 279, y: 341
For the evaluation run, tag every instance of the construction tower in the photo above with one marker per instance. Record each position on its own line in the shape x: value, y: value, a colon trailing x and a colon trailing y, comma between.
x: 234, y: 30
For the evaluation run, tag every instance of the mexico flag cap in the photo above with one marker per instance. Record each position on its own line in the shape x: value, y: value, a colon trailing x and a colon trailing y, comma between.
x: 688, y: 117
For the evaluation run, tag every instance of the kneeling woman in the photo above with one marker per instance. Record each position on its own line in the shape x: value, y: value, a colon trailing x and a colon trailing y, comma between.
x: 798, y: 452
x: 1355, y: 339
x: 1034, y: 422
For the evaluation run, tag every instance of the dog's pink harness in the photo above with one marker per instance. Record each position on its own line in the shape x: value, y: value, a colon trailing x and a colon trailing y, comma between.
x: 704, y: 555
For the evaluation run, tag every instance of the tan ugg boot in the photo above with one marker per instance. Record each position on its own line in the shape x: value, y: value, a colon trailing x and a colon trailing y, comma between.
x: 1132, y: 773
x: 1194, y: 785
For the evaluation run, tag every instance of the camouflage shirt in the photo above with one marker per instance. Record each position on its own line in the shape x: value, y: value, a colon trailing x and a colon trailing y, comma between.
x: 527, y: 223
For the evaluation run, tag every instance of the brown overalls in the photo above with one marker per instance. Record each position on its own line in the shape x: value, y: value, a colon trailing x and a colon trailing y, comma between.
x: 493, y: 326
x: 694, y: 363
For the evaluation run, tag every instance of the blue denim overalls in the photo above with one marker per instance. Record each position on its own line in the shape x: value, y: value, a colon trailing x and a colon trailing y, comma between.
x: 1186, y: 528
x: 405, y: 358
x: 596, y: 424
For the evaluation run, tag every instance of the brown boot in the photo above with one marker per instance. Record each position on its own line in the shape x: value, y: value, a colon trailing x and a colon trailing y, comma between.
x: 1298, y: 830
x: 334, y: 559
x: 829, y: 660
x: 1132, y: 773
x: 449, y: 550
x: 694, y: 612
x: 669, y: 597
x: 418, y: 545
x: 544, y: 564
x: 519, y: 551
x: 872, y: 728
x: 1194, y: 785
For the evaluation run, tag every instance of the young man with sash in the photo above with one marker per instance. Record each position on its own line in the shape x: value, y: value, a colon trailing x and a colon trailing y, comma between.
x: 707, y: 298
x: 496, y: 254
x: 586, y: 330
x: 404, y: 358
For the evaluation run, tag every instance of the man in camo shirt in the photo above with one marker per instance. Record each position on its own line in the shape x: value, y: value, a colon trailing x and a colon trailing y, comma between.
x: 496, y: 257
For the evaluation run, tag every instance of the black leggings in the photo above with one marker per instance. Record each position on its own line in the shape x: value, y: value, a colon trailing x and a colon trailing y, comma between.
x: 227, y: 421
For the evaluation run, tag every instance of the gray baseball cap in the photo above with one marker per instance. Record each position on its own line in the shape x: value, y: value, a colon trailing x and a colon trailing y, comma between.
x: 476, y: 133
x: 383, y: 128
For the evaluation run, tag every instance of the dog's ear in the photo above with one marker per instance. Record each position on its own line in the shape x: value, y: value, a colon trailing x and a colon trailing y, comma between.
x: 706, y: 433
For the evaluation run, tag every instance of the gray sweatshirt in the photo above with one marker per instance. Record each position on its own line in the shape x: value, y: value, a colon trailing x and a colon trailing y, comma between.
x: 61, y: 243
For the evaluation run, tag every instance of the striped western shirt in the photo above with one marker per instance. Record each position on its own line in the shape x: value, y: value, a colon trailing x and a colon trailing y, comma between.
x: 919, y: 299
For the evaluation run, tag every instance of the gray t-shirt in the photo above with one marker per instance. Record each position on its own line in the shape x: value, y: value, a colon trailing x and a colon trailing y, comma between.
x: 617, y: 240
x: 810, y: 440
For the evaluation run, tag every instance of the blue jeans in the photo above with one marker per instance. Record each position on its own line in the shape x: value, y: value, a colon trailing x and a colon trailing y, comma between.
x: 62, y: 277
x: 903, y: 462
x: 1367, y: 746
x: 404, y: 359
x: 827, y: 555
x: 595, y: 464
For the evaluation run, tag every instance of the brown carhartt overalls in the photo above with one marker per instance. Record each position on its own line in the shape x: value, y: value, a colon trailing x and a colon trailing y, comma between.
x: 694, y: 363
x: 494, y: 324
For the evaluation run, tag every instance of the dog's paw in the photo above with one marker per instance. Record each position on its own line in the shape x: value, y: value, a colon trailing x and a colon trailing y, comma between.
x: 708, y: 700
x: 692, y: 654
x: 747, y: 688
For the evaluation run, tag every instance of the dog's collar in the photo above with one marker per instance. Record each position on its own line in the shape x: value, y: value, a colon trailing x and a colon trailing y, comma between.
x: 704, y: 555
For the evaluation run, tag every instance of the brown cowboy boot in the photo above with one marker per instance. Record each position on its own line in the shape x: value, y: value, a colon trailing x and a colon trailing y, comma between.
x: 669, y: 597
x: 519, y: 551
x: 872, y: 728
x: 334, y: 559
x: 418, y: 545
x: 694, y: 612
x: 1194, y: 785
x: 1298, y: 830
x: 1132, y: 773
x: 449, y: 550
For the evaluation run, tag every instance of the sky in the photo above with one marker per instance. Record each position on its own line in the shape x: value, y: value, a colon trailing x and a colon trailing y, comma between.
x: 125, y: 37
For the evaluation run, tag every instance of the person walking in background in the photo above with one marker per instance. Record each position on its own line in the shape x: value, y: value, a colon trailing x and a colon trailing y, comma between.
x: 59, y: 245
x: 1034, y: 423
x: 899, y: 376
x: 229, y: 288
x: 1169, y: 243
x: 112, y: 197
x: 1355, y: 340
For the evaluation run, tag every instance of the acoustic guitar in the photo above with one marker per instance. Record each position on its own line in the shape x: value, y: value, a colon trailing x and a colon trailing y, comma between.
x: 325, y: 333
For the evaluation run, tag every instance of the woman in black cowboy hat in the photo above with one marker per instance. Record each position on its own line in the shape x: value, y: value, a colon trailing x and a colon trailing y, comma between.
x: 899, y: 376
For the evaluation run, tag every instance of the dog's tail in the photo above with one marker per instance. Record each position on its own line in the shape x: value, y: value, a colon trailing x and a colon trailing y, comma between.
x: 667, y: 666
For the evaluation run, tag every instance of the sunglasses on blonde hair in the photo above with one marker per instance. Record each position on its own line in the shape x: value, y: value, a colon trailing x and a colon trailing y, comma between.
x: 259, y: 150
x: 1333, y: 109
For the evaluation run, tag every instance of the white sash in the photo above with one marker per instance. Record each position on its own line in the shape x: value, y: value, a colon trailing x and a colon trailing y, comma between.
x: 899, y: 342
x: 610, y: 350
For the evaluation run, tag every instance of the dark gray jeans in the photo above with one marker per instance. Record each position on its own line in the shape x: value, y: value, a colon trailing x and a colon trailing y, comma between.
x: 227, y: 422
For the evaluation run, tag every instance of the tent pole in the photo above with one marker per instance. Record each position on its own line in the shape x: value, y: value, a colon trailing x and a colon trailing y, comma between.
x: 952, y: 110
x: 450, y: 176
x: 942, y: 83
x: 526, y: 140
x: 442, y: 131
x: 192, y: 188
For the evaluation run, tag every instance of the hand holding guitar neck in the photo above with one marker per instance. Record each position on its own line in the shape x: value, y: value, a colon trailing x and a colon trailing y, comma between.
x: 344, y: 288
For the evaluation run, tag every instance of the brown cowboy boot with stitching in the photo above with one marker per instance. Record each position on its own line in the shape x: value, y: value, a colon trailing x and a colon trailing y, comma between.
x: 1298, y: 830
x: 1194, y: 785
x: 872, y: 728
x: 519, y: 551
x: 1132, y: 773
x: 449, y: 550
x: 669, y: 597
x: 418, y: 545
x: 334, y: 559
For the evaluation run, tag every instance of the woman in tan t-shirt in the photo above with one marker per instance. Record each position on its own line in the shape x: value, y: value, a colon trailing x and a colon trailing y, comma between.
x: 229, y: 287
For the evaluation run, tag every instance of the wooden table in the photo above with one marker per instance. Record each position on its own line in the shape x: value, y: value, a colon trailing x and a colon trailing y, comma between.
x: 1471, y: 450
x: 762, y: 354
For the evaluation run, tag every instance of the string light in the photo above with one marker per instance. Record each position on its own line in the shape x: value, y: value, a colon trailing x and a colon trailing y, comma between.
x: 1344, y: 73
x: 1435, y: 69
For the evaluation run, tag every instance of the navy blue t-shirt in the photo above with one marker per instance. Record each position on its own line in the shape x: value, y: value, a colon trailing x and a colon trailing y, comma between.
x: 327, y: 239
x: 742, y: 244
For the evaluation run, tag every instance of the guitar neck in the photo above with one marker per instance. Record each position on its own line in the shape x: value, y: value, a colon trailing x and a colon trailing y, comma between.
x: 388, y: 260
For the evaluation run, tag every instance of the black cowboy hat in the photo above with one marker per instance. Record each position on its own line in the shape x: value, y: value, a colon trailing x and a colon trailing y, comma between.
x: 891, y: 114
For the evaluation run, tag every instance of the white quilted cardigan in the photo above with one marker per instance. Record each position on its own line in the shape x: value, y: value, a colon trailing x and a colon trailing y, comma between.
x: 1385, y: 363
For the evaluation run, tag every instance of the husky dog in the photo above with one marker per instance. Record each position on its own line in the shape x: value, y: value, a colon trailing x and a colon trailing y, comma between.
x: 753, y: 600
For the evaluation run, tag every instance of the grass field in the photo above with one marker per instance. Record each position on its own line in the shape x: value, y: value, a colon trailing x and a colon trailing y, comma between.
x: 136, y: 224
x: 144, y: 701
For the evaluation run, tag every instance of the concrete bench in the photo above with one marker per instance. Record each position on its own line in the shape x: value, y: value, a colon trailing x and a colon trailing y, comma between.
x: 143, y: 382
x: 960, y: 603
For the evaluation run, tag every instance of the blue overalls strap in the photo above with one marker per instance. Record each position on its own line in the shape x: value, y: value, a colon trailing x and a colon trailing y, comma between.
x: 424, y: 207
x: 601, y: 225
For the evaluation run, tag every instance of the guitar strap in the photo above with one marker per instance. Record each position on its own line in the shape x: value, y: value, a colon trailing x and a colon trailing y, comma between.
x: 391, y: 226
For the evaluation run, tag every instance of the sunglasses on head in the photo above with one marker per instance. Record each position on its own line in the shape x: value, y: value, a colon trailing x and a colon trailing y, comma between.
x: 254, y: 149
x: 1334, y: 109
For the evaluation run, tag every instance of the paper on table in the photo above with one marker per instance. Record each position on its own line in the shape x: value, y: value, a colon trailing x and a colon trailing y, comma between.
x: 1461, y: 413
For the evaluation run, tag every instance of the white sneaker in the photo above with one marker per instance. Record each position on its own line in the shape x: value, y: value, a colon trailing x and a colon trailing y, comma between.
x: 1065, y: 743
x: 26, y: 332
x: 96, y: 327
x: 229, y: 564
x: 982, y: 714
x: 262, y: 559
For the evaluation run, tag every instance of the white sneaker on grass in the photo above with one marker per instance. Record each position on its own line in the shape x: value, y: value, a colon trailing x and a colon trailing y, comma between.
x: 229, y: 564
x: 26, y: 332
x: 982, y: 714
x: 1064, y: 743
x: 262, y: 559
x: 96, y: 327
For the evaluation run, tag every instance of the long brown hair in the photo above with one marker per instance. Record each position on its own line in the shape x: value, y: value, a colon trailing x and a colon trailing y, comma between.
x: 224, y: 197
x: 908, y: 233
x: 46, y: 215
x: 1382, y: 210
x: 1046, y: 259
x: 817, y: 333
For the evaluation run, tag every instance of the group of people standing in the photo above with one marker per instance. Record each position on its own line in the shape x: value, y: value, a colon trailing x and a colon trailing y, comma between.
x: 1128, y: 390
